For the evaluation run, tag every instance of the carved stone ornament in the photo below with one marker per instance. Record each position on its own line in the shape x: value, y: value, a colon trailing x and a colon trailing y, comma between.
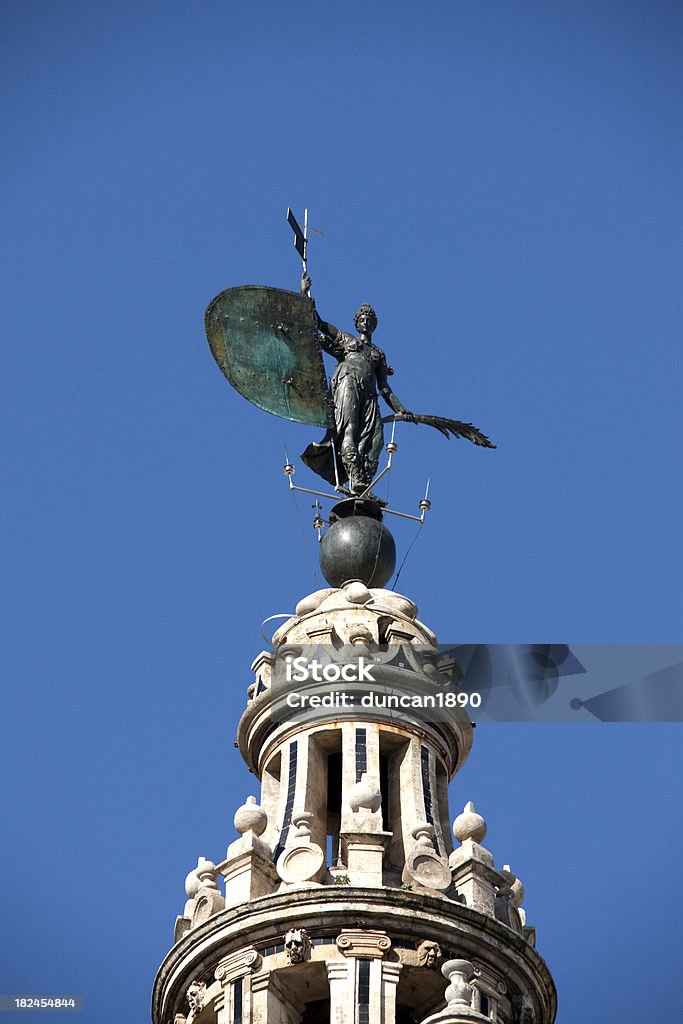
x: 195, y: 997
x: 244, y: 961
x: 429, y: 954
x: 250, y: 817
x: 423, y: 865
x: 366, y: 795
x: 297, y: 945
x: 469, y: 825
x: 458, y: 996
x: 525, y: 1011
x: 505, y: 909
x: 459, y: 973
x: 303, y: 860
x: 209, y: 900
x: 366, y: 944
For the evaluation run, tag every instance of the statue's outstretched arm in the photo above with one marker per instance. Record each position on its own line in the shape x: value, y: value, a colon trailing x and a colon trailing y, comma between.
x: 392, y: 400
x: 449, y: 428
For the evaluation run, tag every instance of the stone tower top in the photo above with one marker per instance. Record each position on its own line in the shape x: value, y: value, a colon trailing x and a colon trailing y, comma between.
x: 343, y: 895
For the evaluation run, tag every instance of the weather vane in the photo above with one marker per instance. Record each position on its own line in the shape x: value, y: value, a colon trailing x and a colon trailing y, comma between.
x: 269, y: 344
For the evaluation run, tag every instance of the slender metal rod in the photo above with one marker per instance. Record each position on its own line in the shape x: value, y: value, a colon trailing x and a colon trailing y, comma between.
x: 334, y: 497
x: 404, y: 515
x: 305, y: 260
x: 376, y: 480
x: 319, y: 494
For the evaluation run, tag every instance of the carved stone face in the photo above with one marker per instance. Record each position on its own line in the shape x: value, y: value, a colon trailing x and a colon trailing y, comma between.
x: 296, y: 945
x: 195, y: 995
x: 429, y: 954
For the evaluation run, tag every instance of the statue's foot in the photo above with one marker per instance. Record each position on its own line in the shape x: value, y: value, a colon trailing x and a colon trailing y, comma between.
x: 356, y: 484
x: 369, y: 496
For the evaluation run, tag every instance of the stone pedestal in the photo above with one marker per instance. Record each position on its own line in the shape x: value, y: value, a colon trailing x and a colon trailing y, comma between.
x: 475, y: 877
x: 363, y: 853
x: 248, y: 871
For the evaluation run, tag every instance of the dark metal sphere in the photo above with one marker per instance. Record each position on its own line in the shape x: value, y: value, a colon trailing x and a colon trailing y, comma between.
x: 357, y: 548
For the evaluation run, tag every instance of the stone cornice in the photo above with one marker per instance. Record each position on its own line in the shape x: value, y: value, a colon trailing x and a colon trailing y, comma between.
x: 401, y: 912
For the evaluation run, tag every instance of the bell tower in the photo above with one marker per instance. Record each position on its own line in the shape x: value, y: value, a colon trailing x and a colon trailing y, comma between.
x: 342, y: 899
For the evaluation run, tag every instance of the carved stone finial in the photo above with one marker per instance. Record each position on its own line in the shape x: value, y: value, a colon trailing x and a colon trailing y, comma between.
x: 302, y: 822
x: 429, y: 954
x: 206, y: 874
x: 297, y: 945
x: 365, y: 794
x: 209, y: 900
x: 505, y: 910
x: 459, y: 991
x: 424, y: 866
x: 191, y: 884
x: 250, y: 817
x: 423, y: 833
x: 469, y: 825
x: 517, y: 890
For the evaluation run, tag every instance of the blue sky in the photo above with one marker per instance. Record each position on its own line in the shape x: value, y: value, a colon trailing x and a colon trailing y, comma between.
x: 502, y: 182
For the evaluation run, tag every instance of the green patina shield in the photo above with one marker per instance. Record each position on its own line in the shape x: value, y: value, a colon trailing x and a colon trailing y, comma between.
x: 265, y: 341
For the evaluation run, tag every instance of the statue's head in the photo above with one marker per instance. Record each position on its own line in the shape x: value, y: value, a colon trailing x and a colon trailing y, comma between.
x: 365, y: 319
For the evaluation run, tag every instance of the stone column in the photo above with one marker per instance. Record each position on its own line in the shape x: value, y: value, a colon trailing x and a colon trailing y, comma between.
x: 310, y: 788
x: 341, y: 979
x: 390, y: 976
x: 412, y: 801
x: 363, y: 946
x: 272, y: 1000
x: 239, y: 966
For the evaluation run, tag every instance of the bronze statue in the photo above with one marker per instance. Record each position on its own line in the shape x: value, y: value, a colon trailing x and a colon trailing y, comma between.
x: 358, y: 379
x: 268, y: 342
